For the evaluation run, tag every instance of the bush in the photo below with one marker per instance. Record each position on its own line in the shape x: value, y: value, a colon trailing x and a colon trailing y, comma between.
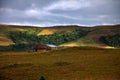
x: 113, y: 40
x: 17, y: 47
x: 42, y: 78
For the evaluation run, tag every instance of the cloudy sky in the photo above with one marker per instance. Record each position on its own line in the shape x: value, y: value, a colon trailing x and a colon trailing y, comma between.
x: 60, y: 12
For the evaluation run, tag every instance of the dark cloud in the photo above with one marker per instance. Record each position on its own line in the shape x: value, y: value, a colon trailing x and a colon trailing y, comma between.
x: 54, y: 12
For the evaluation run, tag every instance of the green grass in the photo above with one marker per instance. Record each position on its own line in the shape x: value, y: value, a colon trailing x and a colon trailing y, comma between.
x: 83, y: 63
x: 84, y: 41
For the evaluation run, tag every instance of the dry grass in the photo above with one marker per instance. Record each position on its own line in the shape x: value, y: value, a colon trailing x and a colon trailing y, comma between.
x: 47, y: 32
x: 65, y: 64
x: 4, y: 41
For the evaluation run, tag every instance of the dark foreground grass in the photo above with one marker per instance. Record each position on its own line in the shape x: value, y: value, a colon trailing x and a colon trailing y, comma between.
x: 65, y: 64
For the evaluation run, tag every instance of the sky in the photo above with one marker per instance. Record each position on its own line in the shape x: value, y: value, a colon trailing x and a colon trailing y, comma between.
x: 60, y: 12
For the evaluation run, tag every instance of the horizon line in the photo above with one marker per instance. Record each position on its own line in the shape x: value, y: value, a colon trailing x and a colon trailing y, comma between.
x: 58, y: 25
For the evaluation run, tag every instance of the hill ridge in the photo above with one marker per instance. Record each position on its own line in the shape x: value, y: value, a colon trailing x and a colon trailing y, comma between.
x: 91, y: 38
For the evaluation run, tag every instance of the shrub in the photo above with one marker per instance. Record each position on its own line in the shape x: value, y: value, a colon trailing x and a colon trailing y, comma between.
x: 42, y: 78
x: 113, y: 40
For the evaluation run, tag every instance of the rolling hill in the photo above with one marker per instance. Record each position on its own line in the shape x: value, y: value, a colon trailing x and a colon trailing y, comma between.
x: 91, y: 39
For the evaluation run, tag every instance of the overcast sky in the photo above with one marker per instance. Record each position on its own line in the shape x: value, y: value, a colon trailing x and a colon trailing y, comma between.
x: 60, y: 12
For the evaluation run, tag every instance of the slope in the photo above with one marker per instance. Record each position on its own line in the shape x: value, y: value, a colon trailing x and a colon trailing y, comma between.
x: 5, y: 29
x: 91, y: 39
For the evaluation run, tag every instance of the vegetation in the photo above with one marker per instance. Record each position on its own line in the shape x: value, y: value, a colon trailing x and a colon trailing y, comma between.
x: 84, y: 41
x: 42, y: 78
x: 25, y: 40
x: 80, y: 63
x: 62, y: 37
x: 113, y: 40
x: 18, y: 47
x: 24, y: 37
x: 57, y: 38
x: 94, y: 34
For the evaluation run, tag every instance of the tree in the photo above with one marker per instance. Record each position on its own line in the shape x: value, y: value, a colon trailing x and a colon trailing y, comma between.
x: 113, y: 40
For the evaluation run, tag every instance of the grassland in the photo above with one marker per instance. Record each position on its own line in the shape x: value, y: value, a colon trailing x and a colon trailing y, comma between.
x: 81, y: 63
x: 84, y: 41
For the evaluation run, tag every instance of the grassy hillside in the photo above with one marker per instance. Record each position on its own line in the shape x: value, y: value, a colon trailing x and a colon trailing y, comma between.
x: 56, y: 29
x: 81, y: 63
x: 84, y: 41
x: 4, y: 41
x: 5, y: 29
x: 91, y: 39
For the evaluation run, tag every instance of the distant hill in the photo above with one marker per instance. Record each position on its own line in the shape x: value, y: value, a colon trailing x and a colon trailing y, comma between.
x: 91, y: 39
